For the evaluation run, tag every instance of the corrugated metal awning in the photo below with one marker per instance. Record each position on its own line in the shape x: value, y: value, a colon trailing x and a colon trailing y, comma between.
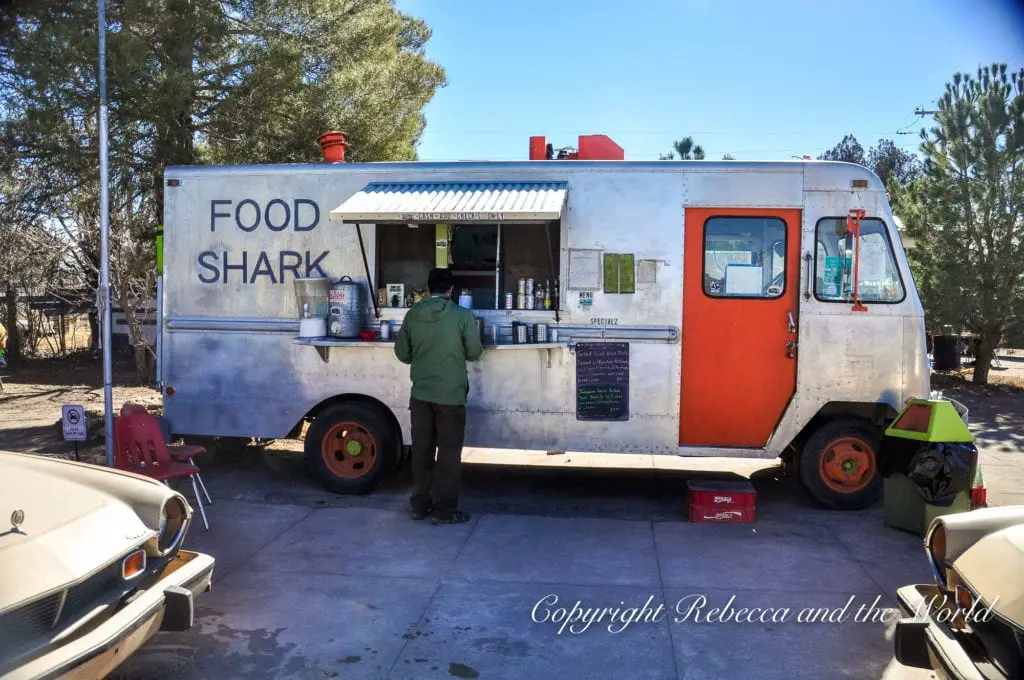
x: 454, y: 202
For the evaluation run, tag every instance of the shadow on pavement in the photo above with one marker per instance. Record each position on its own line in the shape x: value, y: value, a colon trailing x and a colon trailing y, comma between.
x: 272, y: 475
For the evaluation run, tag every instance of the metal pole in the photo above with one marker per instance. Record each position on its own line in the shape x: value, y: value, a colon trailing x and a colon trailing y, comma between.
x: 159, y: 329
x: 497, y: 272
x: 108, y: 396
x: 369, y: 277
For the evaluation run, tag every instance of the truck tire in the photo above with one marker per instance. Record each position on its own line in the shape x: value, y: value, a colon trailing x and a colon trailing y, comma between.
x: 839, y: 465
x: 351, y: 448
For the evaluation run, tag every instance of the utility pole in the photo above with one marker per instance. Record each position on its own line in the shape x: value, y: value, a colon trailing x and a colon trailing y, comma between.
x: 918, y: 112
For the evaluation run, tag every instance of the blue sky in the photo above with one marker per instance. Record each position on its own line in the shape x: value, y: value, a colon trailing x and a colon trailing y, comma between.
x: 760, y: 80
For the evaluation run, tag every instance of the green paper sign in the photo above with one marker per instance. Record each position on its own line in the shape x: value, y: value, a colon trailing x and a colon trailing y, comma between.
x: 160, y: 251
x: 619, y: 273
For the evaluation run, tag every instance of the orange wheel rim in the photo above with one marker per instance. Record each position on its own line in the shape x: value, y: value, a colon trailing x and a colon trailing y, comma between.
x: 847, y: 464
x: 349, y: 450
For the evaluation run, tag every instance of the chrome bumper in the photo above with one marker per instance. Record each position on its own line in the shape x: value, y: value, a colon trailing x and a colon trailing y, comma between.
x: 166, y: 605
x: 925, y: 642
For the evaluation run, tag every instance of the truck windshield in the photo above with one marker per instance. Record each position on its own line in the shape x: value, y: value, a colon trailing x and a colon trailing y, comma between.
x: 880, y: 280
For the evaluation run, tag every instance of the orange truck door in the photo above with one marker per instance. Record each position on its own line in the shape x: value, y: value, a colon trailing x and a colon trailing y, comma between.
x: 740, y: 296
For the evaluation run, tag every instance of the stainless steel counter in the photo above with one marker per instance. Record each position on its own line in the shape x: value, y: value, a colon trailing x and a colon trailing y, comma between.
x: 323, y: 345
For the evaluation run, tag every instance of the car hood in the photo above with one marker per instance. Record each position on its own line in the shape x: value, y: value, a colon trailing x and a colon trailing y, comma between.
x: 77, y: 518
x: 992, y: 569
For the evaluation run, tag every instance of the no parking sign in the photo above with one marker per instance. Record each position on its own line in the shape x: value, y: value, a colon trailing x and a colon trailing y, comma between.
x: 73, y: 420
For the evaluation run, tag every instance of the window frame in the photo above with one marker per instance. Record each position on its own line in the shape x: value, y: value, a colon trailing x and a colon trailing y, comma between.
x: 892, y: 254
x: 704, y: 259
x: 501, y: 277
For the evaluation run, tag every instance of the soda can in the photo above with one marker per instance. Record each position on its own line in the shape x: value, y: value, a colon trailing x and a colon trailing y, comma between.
x: 529, y: 288
x: 529, y: 302
x: 508, y: 300
x: 521, y: 302
x: 522, y: 286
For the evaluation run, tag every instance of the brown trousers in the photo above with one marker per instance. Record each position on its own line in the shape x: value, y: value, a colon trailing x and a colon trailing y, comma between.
x: 437, y: 429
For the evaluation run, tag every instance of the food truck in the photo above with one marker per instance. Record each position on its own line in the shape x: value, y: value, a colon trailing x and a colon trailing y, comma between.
x: 684, y: 308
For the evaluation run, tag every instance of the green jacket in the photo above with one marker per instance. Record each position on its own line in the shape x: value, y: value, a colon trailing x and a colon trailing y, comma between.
x: 437, y: 338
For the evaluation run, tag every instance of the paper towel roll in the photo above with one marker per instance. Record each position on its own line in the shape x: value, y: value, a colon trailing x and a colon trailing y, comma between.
x: 315, y: 327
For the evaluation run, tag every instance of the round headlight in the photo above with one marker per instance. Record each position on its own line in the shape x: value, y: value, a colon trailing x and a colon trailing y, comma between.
x: 936, y: 542
x: 172, y: 525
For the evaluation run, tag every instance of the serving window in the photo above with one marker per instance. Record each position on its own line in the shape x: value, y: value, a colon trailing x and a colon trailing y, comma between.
x: 488, y: 260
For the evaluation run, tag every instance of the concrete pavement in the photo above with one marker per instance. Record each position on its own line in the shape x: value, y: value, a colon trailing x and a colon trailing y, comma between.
x: 997, y: 422
x: 311, y: 585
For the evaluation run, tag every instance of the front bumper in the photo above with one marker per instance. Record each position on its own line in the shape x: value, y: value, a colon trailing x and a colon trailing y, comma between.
x: 166, y: 605
x: 923, y: 641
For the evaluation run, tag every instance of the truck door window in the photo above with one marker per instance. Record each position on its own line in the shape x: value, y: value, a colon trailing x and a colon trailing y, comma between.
x: 744, y: 257
x: 880, y: 281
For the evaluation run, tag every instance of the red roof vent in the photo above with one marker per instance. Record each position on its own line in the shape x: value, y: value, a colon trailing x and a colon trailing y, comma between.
x: 591, y: 148
x: 599, y: 148
x: 333, y: 145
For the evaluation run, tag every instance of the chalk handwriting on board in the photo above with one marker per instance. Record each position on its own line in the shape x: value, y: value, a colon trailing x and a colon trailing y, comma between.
x: 602, y: 381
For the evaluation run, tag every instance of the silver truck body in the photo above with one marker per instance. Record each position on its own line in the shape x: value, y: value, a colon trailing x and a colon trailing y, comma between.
x: 229, y: 365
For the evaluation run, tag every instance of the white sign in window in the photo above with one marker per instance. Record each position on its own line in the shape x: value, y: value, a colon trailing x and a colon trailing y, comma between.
x: 584, y: 269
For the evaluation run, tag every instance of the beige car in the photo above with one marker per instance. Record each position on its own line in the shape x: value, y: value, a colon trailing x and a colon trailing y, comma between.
x: 969, y: 625
x: 91, y: 566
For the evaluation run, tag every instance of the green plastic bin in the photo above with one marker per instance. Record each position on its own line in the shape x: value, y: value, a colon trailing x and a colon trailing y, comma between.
x: 906, y: 510
x: 920, y: 422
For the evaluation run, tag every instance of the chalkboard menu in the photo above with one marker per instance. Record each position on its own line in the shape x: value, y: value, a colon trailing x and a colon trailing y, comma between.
x: 602, y: 381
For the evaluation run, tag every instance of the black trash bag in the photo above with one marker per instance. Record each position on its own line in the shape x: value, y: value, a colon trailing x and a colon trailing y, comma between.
x: 942, y: 470
x: 895, y: 455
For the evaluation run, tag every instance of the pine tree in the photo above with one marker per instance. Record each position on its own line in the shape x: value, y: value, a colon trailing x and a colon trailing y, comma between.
x: 966, y: 211
x: 193, y: 82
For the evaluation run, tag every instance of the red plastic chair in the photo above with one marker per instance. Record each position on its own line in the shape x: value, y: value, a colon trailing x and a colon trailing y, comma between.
x: 181, y: 453
x: 139, y: 447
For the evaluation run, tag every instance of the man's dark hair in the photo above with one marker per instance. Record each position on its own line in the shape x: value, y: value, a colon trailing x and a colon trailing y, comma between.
x: 440, y: 281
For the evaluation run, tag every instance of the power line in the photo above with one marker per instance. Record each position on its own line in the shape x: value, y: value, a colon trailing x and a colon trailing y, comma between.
x: 632, y: 133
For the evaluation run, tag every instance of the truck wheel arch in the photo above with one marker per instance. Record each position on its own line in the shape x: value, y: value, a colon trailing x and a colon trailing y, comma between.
x: 347, y: 398
x: 880, y: 414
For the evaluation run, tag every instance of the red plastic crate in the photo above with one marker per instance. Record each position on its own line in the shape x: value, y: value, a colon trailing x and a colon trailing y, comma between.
x: 721, y: 501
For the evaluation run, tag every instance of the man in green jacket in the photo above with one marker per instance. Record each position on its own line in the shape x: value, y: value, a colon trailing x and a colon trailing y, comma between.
x: 437, y: 338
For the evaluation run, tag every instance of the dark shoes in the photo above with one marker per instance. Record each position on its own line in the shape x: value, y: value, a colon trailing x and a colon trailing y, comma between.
x: 422, y: 514
x: 457, y: 517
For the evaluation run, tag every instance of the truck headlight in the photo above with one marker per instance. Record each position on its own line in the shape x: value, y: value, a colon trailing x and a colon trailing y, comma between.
x: 964, y: 598
x: 936, y: 549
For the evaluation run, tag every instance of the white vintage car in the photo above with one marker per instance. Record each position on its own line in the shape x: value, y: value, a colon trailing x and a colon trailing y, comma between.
x: 969, y: 625
x: 91, y: 566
